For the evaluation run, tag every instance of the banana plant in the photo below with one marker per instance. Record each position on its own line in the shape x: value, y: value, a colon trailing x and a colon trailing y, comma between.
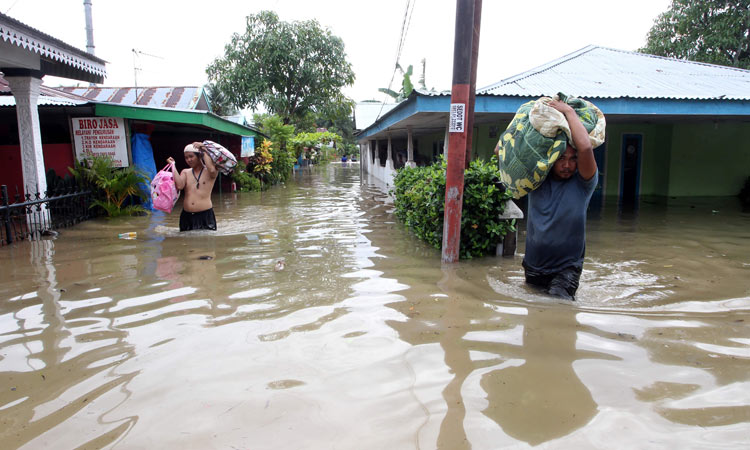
x: 406, y: 85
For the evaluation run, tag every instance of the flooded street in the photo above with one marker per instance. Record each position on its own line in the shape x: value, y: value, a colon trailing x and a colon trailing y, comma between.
x: 313, y: 320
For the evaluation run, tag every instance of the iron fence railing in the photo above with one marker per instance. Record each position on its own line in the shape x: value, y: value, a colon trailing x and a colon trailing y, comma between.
x: 32, y: 216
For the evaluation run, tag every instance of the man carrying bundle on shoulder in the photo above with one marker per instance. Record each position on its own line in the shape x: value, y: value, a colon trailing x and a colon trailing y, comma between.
x: 556, y: 225
x: 197, y: 181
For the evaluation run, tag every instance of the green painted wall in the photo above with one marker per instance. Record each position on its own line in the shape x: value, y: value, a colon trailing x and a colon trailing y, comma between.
x: 709, y: 159
x: 485, y: 139
x: 655, y: 155
x: 482, y: 146
x: 677, y: 160
x: 425, y: 144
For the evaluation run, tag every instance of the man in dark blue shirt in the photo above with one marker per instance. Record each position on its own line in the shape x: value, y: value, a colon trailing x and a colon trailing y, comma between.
x: 556, y: 225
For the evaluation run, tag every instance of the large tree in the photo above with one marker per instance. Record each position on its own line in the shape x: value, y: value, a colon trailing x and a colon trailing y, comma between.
x: 219, y: 103
x: 710, y: 31
x: 290, y: 68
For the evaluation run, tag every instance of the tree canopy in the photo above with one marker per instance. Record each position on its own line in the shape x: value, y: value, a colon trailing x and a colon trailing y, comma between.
x: 290, y: 68
x: 219, y: 103
x: 710, y: 31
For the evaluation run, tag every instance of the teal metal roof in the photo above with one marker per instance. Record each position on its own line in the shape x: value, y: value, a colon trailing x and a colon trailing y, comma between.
x: 618, y: 82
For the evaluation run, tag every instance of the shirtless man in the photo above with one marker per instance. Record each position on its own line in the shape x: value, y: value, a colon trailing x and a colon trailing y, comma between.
x: 198, y: 182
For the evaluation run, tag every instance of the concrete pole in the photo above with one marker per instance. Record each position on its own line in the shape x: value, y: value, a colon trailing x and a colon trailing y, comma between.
x: 370, y: 151
x: 361, y: 161
x: 376, y: 158
x: 390, y: 152
x: 410, y: 147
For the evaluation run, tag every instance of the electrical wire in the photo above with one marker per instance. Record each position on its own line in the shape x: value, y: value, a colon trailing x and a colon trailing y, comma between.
x: 408, y: 11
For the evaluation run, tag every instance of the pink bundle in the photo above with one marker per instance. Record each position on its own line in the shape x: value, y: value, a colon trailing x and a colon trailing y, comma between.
x: 164, y: 193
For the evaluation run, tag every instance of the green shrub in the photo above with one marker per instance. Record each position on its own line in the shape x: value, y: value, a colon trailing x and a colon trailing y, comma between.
x: 113, y: 187
x: 282, y: 164
x: 419, y: 198
x: 245, y: 181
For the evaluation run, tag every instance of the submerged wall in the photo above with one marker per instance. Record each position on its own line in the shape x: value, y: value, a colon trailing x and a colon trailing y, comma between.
x: 683, y: 159
x: 689, y: 159
x: 709, y: 159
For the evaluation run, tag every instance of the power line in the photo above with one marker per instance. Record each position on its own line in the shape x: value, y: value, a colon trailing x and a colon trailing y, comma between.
x: 137, y: 69
x: 10, y: 7
x: 402, y: 40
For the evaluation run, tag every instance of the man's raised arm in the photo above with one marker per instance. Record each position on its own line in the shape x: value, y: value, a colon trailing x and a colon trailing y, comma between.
x: 585, y: 154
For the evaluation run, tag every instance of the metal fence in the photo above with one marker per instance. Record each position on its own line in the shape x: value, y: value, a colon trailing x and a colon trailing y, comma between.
x: 33, y: 216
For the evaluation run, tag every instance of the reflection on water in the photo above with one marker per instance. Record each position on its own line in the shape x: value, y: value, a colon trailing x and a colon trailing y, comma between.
x: 312, y: 319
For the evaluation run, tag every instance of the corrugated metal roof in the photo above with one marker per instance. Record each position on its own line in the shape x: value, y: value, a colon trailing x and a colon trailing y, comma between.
x: 48, y: 96
x: 43, y: 100
x: 365, y: 113
x: 183, y: 97
x: 599, y: 72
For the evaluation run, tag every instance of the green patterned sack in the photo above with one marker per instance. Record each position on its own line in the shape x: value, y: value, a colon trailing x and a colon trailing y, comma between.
x: 536, y: 137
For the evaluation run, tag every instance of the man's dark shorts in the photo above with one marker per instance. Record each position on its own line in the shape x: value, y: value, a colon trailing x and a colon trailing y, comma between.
x: 562, y: 284
x: 203, y: 220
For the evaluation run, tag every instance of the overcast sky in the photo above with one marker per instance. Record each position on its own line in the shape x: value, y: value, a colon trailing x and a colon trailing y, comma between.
x: 177, y: 40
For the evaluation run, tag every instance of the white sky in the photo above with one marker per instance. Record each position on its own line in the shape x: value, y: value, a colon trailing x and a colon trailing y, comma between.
x: 186, y: 36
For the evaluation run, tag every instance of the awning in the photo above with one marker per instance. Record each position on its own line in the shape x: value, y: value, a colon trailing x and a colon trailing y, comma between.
x: 189, y: 117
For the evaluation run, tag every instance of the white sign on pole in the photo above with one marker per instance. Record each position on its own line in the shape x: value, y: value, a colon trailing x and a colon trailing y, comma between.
x: 94, y: 136
x: 458, y: 117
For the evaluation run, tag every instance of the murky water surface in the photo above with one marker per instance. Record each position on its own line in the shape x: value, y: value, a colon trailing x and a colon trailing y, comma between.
x: 313, y: 320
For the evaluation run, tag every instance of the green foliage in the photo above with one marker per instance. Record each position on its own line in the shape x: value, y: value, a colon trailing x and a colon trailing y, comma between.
x: 112, y: 186
x: 220, y: 103
x: 245, y: 182
x: 291, y: 68
x: 57, y: 184
x: 274, y: 127
x: 260, y: 163
x: 338, y: 118
x: 281, y: 147
x: 282, y: 164
x: 406, y: 85
x: 420, y: 203
x: 310, y: 141
x: 710, y: 31
x: 271, y: 164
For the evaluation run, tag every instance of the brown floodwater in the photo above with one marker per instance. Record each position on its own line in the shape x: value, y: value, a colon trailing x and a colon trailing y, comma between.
x: 313, y: 320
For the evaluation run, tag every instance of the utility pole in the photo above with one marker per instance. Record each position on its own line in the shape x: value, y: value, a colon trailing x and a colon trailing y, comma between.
x: 468, y: 14
x: 473, y: 83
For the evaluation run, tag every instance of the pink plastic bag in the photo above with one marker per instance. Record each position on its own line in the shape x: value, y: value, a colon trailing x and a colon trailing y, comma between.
x: 164, y: 193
